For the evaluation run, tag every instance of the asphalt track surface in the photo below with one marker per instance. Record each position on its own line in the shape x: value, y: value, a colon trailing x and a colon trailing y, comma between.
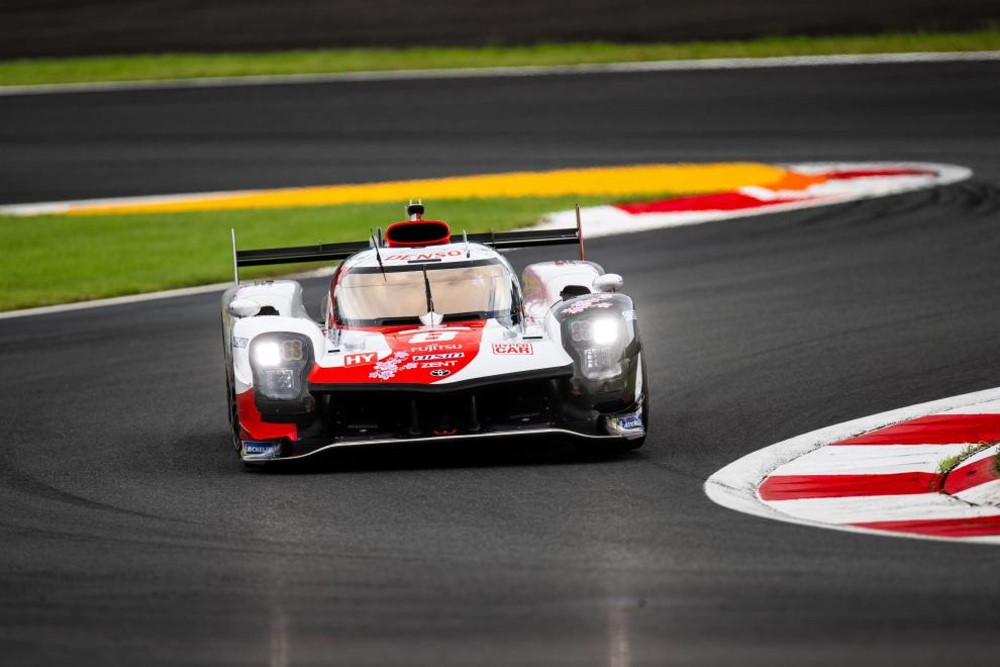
x: 61, y: 28
x: 131, y: 534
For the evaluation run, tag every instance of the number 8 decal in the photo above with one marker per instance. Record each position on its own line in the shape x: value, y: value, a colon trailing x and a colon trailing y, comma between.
x: 433, y: 337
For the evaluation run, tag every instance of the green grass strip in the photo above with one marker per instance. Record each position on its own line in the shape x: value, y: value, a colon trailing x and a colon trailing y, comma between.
x: 197, y: 65
x: 970, y: 450
x: 61, y: 259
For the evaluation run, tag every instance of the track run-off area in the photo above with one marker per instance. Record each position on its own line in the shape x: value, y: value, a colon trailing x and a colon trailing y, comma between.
x: 132, y: 535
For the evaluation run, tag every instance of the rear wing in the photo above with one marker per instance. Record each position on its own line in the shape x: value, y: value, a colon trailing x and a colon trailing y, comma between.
x: 527, y: 239
x: 339, y: 251
x: 298, y: 254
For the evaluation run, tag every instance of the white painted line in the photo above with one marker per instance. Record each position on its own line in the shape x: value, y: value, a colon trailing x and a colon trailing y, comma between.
x: 522, y: 71
x: 980, y: 409
x: 869, y: 460
x: 149, y: 296
x: 735, y: 486
x: 59, y: 207
x: 114, y: 301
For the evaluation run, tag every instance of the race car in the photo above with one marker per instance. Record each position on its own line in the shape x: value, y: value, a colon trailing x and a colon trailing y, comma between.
x: 428, y: 337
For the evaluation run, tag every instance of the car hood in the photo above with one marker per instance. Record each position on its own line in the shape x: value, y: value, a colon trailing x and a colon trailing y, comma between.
x: 439, y: 355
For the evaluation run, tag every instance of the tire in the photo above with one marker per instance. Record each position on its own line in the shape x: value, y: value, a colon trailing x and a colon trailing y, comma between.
x: 233, y: 413
x: 234, y: 418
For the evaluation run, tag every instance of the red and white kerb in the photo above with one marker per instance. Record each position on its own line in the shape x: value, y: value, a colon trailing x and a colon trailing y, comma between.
x: 894, y: 480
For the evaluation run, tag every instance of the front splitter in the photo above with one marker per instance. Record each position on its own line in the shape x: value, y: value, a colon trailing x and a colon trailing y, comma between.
x: 444, y: 439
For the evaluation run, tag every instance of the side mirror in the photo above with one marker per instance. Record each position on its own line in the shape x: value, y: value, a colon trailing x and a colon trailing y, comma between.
x: 243, y: 308
x: 609, y: 282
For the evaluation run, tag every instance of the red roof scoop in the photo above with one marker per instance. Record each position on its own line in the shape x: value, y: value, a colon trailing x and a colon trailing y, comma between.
x: 416, y: 231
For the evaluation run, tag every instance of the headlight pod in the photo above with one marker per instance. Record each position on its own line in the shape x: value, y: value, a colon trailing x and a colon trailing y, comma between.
x: 600, y: 341
x: 598, y: 331
x: 280, y: 362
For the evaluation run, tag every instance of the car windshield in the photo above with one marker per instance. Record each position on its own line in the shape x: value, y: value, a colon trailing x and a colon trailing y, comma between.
x: 469, y: 290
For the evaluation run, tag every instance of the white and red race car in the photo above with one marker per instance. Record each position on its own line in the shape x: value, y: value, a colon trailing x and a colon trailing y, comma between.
x: 425, y: 337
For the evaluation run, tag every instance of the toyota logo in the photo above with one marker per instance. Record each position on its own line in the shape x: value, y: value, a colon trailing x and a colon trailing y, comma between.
x: 440, y: 373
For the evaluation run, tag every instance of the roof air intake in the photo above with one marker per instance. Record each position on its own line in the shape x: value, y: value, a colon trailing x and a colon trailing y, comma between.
x: 417, y: 233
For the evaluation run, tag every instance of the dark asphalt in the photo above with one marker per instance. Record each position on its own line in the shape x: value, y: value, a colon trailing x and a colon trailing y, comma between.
x: 61, y: 27
x: 154, y: 142
x: 131, y: 535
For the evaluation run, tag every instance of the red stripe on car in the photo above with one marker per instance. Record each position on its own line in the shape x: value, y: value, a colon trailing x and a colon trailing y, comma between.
x: 253, y: 425
x: 419, y: 356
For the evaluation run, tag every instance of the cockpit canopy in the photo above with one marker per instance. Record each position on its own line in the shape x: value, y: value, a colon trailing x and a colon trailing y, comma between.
x: 461, y: 291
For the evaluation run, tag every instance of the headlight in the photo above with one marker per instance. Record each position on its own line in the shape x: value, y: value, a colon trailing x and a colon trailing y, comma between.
x: 267, y: 353
x: 605, y: 331
x: 600, y: 342
x: 280, y: 363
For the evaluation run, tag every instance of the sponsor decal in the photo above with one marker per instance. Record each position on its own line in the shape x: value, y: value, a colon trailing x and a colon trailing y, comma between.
x: 433, y: 337
x: 386, y: 370
x: 628, y: 425
x: 438, y: 364
x: 261, y: 450
x: 631, y: 421
x: 437, y: 347
x: 450, y: 348
x: 629, y: 314
x: 411, y: 256
x: 587, y: 303
x: 360, y: 358
x: 240, y: 342
x: 513, y: 348
x: 441, y: 372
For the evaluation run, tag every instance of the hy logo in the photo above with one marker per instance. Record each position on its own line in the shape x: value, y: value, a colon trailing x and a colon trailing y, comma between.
x: 360, y: 359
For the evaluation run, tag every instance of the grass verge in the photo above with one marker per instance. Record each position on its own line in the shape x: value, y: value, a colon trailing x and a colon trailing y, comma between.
x: 197, y: 65
x: 61, y: 259
x: 952, y: 462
